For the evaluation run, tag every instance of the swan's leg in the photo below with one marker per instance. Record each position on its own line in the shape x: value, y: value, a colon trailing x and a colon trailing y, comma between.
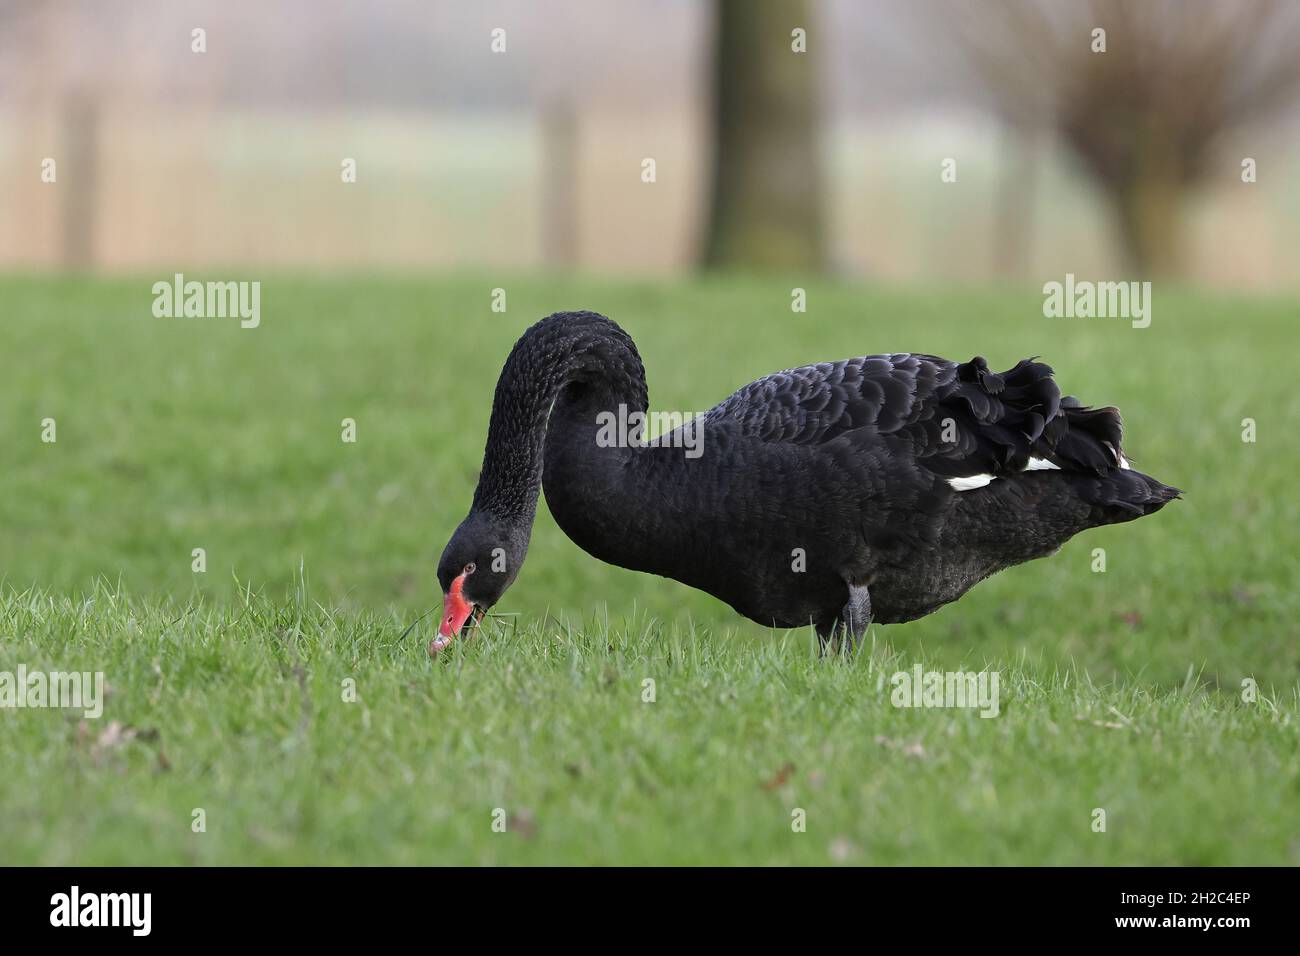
x: 853, y: 621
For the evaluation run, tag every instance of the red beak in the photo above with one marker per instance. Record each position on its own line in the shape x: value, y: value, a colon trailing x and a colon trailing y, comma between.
x: 455, y: 611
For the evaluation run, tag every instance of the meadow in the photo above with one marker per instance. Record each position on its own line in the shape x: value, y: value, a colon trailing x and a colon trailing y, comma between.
x: 283, y: 690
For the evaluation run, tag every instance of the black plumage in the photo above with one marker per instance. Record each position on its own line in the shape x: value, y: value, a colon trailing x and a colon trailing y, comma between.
x: 821, y: 495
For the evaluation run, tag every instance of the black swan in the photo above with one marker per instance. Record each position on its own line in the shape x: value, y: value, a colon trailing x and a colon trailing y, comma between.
x: 871, y: 489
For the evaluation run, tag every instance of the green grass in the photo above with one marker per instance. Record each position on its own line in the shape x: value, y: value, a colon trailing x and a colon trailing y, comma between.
x: 1120, y: 690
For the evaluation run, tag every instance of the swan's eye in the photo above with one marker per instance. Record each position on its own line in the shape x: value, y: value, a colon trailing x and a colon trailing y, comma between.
x: 470, y: 568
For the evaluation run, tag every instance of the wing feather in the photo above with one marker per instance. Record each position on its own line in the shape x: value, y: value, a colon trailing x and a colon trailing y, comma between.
x: 960, y: 419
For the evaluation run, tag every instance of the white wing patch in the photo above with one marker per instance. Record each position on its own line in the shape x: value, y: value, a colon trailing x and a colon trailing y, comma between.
x: 969, y: 483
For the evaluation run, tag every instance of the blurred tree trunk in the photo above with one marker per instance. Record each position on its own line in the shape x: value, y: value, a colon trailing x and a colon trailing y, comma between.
x: 1148, y: 204
x: 560, y: 177
x: 79, y: 182
x: 1015, y: 199
x: 1144, y: 158
x: 766, y: 200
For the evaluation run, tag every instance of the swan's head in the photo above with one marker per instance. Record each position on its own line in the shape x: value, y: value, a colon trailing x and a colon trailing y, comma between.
x: 480, y: 561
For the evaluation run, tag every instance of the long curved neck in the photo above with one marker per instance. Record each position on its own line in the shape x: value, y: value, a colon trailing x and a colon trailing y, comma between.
x: 577, y: 353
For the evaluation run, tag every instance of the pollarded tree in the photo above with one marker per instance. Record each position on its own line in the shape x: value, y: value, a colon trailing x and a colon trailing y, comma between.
x: 1139, y: 91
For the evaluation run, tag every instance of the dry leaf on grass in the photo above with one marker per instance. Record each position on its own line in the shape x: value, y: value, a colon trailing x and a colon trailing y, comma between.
x: 780, y: 778
x: 115, y: 736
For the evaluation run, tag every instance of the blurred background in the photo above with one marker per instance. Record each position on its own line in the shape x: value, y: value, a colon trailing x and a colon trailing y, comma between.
x: 1125, y: 162
x: 680, y: 165
x: 179, y: 497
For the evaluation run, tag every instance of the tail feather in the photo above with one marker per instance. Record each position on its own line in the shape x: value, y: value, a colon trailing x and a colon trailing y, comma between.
x: 1123, y: 495
x: 1007, y: 420
x: 1088, y: 439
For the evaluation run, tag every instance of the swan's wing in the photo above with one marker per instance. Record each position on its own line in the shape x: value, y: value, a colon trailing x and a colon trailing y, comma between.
x: 959, y: 419
x: 817, y: 403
